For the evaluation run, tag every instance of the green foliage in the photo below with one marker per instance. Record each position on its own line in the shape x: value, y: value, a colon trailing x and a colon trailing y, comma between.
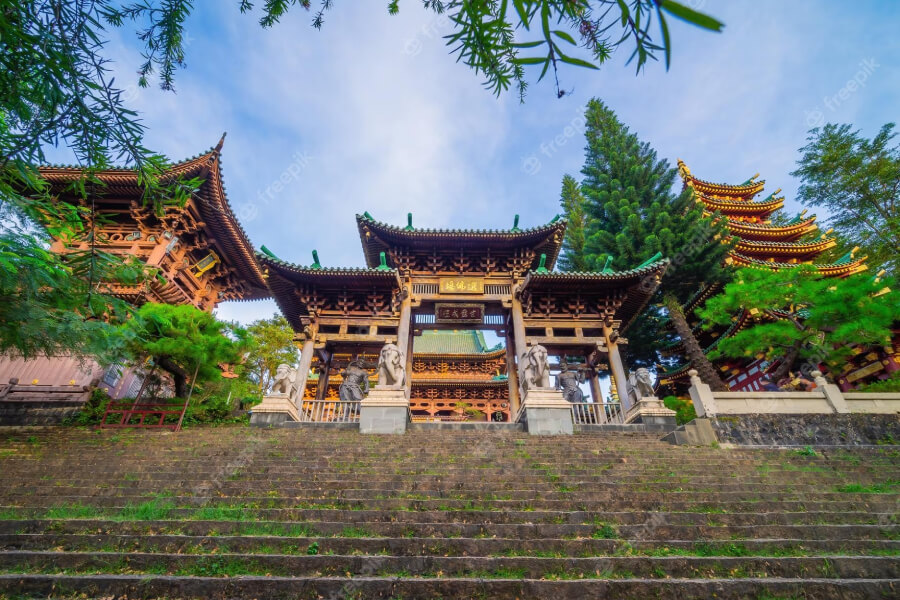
x: 271, y: 344
x: 630, y: 213
x: 892, y: 384
x: 573, y: 205
x: 683, y: 407
x: 483, y: 37
x: 857, y: 181
x: 799, y: 313
x: 182, y: 340
x: 92, y: 411
x: 49, y: 305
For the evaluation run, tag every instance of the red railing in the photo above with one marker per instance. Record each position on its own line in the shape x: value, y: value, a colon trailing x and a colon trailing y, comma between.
x: 143, y: 415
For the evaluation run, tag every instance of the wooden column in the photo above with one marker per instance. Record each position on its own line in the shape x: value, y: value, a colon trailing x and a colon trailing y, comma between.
x: 512, y: 373
x: 518, y: 324
x: 306, y: 356
x: 409, y: 362
x: 617, y: 368
x: 403, y: 339
x: 594, y: 381
x: 325, y: 372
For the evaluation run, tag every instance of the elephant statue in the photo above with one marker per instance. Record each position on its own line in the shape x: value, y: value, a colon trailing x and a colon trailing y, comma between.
x: 391, y: 366
x: 534, y: 370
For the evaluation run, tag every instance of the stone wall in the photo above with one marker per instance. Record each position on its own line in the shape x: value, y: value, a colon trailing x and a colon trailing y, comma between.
x: 808, y: 430
x: 31, y: 412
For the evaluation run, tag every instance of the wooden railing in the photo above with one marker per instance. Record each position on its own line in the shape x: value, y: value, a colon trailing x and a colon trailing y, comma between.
x: 597, y: 413
x: 329, y: 411
x: 148, y: 415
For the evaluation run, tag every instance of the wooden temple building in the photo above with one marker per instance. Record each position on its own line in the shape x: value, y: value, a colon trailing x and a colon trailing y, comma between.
x: 426, y: 289
x: 761, y: 244
x: 200, y: 251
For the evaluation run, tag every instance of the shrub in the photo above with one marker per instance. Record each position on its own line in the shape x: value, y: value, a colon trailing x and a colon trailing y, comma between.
x: 683, y: 407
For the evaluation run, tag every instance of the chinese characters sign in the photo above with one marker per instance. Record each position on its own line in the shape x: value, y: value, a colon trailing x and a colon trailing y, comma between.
x: 458, y: 313
x: 462, y: 285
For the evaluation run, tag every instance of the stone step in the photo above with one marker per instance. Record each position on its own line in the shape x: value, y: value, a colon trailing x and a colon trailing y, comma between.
x: 175, y: 587
x: 648, y: 531
x: 293, y: 565
x: 633, y: 517
x: 288, y: 538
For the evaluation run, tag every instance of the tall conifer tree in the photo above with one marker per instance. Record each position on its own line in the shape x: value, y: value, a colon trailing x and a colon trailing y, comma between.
x: 631, y: 213
x: 572, y: 202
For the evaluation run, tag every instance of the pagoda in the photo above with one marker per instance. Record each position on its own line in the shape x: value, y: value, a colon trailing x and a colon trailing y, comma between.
x: 760, y: 244
x: 199, y: 251
x: 431, y: 291
x: 201, y: 254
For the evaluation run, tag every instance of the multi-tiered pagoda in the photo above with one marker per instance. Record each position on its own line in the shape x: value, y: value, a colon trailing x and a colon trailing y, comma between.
x: 761, y: 244
x: 200, y: 252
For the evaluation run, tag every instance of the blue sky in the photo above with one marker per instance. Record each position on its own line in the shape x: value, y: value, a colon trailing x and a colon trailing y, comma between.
x: 371, y: 113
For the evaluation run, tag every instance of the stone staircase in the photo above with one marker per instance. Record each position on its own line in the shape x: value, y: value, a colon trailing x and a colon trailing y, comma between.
x: 317, y: 513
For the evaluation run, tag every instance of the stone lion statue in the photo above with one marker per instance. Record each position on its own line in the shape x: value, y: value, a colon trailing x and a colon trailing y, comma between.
x: 534, y: 370
x: 285, y: 381
x: 391, y: 366
x: 641, y: 383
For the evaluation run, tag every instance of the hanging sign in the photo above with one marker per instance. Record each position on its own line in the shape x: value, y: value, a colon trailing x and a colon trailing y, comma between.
x: 205, y: 264
x: 461, y: 285
x: 458, y: 313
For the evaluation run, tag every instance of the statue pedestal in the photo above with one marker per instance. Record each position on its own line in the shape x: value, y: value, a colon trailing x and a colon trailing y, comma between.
x: 274, y: 410
x: 384, y: 410
x: 547, y: 412
x: 651, y: 411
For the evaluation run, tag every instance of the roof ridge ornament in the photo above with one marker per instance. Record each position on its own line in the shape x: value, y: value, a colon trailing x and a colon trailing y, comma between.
x: 382, y: 256
x: 607, y: 266
x: 316, y: 264
x: 221, y: 143
x: 268, y: 252
x: 515, y: 227
x: 542, y: 266
x: 649, y: 261
x: 409, y: 225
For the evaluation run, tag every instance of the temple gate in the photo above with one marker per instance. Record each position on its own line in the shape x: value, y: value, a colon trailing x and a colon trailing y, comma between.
x: 430, y: 285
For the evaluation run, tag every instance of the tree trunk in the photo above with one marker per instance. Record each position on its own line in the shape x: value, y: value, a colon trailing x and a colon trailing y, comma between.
x: 705, y: 368
x: 788, y: 361
x: 179, y: 377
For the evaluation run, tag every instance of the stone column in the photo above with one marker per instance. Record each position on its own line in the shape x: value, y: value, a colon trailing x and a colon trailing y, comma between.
x: 618, y: 369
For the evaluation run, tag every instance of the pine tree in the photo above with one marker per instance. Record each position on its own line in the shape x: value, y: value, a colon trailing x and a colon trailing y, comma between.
x: 572, y: 202
x: 799, y: 315
x: 631, y: 213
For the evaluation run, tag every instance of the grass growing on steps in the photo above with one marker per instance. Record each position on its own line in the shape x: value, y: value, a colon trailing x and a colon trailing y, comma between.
x: 887, y: 487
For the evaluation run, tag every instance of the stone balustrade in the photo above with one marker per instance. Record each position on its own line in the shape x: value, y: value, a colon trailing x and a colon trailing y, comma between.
x: 826, y: 398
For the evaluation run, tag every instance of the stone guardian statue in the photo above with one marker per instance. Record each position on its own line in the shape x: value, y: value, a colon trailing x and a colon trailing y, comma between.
x: 284, y: 382
x: 355, y: 382
x: 568, y: 381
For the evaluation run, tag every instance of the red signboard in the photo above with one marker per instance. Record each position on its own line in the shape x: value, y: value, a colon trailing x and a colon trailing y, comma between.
x: 458, y: 313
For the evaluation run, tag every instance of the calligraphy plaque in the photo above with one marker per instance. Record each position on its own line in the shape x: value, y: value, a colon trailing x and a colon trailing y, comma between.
x: 461, y: 285
x: 458, y: 313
